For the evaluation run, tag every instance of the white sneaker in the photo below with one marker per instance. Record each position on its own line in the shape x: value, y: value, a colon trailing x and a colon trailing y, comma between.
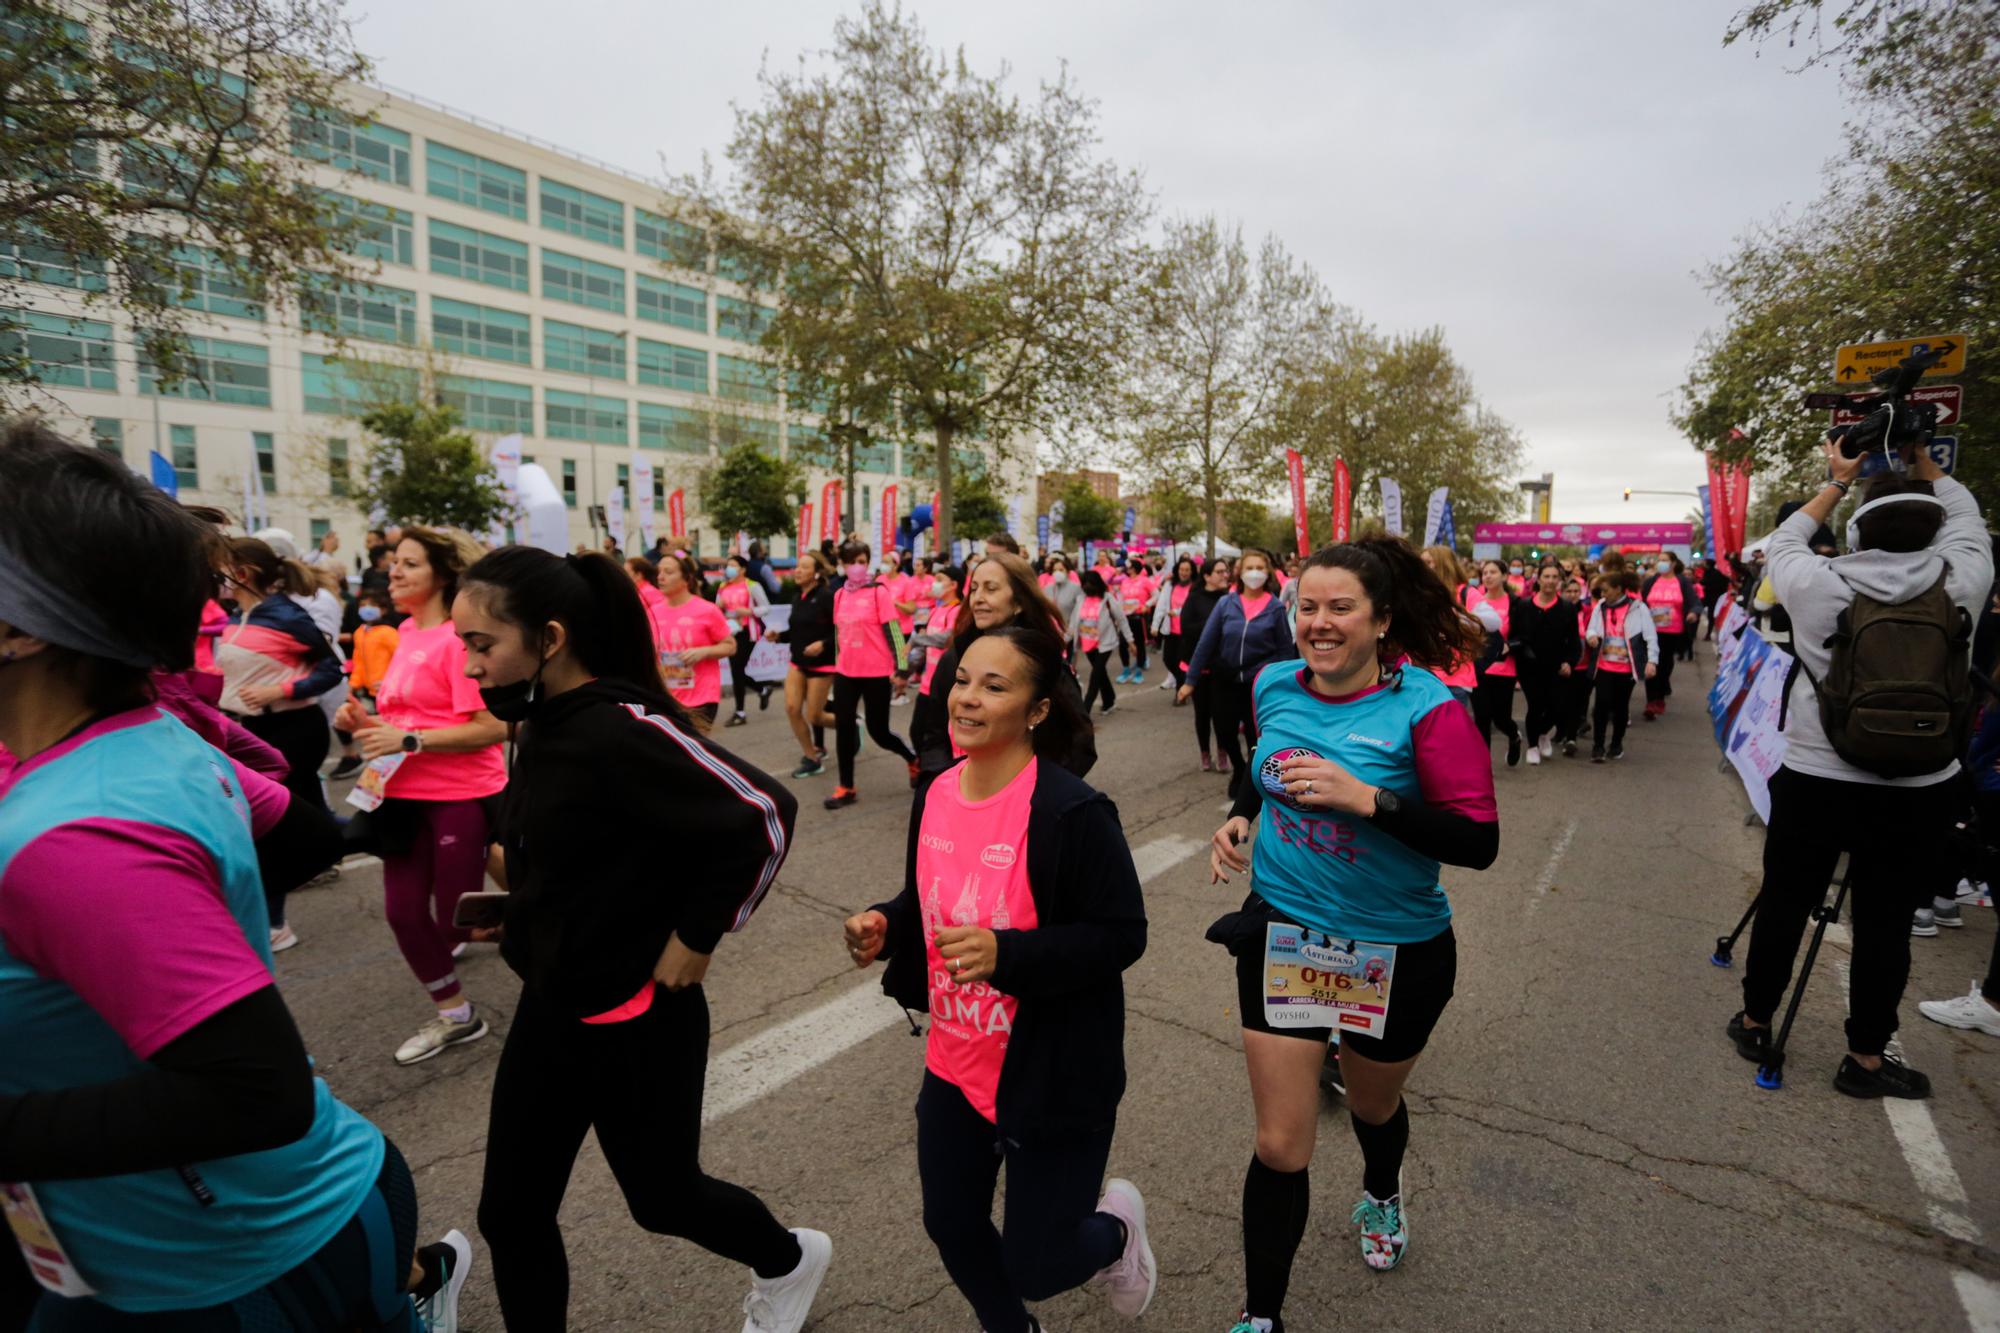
x: 1134, y: 1277
x: 438, y: 1312
x: 781, y: 1304
x: 283, y: 938
x: 1972, y: 1010
x: 434, y: 1036
x: 1548, y: 748
x: 458, y: 950
x: 1973, y: 894
x: 1924, y: 924
x: 1534, y: 755
x: 1168, y: 683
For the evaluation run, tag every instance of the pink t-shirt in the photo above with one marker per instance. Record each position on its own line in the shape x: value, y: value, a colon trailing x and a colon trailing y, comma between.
x: 1502, y: 606
x: 1087, y: 620
x: 862, y: 649
x: 1665, y: 599
x: 1178, y: 600
x: 916, y: 590
x: 736, y: 597
x: 426, y: 688
x: 213, y: 621
x: 972, y: 870
x: 695, y: 623
x: 1137, y: 590
x: 1253, y: 604
x: 943, y: 620
x: 656, y: 613
x: 1614, y: 654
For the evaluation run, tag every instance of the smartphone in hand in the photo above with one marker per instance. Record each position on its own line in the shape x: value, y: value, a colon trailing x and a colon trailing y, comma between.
x: 480, y: 911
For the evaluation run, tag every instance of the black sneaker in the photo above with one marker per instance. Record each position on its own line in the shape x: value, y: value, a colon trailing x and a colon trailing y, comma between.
x: 809, y: 768
x: 1892, y: 1079
x: 1514, y: 750
x: 763, y: 698
x: 1569, y: 749
x: 1615, y: 752
x: 1597, y: 756
x: 1753, y: 1044
x: 349, y: 765
x: 737, y: 721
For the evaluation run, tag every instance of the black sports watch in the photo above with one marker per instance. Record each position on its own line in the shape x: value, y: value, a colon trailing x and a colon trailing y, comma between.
x: 1387, y: 803
x: 413, y: 742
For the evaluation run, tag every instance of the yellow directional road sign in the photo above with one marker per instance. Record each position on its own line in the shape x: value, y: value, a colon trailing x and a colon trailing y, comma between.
x: 1854, y: 363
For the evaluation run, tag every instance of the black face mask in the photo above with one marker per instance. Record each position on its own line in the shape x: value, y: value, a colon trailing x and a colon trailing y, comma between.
x: 515, y: 703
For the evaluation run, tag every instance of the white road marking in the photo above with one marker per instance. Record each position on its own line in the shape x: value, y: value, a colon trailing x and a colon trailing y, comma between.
x: 1547, y: 879
x: 360, y: 862
x: 762, y: 1064
x: 1981, y: 1299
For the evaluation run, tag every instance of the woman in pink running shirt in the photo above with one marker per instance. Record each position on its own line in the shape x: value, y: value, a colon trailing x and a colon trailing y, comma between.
x: 445, y: 747
x: 1493, y: 699
x: 1019, y: 913
x: 693, y: 635
x: 743, y: 603
x: 871, y: 651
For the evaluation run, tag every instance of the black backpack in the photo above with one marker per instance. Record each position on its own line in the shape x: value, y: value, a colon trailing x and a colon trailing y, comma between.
x: 1897, y: 698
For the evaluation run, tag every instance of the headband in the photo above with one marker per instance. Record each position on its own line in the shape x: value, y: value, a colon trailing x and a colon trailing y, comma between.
x: 31, y: 604
x: 1854, y: 520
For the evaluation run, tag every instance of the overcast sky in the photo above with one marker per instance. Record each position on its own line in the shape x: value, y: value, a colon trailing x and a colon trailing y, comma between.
x: 1541, y: 179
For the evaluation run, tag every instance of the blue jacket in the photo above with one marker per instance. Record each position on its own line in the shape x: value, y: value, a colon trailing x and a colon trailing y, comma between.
x: 1235, y: 650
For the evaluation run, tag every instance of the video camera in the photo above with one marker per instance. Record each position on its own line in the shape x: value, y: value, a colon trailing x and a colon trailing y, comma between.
x: 1891, y: 424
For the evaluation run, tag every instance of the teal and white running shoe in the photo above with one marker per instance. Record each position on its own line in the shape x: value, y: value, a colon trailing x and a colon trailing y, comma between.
x: 1385, y: 1232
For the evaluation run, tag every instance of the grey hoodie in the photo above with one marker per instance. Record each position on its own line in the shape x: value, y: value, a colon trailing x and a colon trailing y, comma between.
x: 1815, y: 590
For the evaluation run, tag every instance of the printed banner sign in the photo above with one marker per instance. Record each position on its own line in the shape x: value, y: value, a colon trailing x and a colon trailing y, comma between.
x: 804, y: 539
x: 614, y: 515
x: 1447, y: 534
x: 642, y: 499
x: 1583, y: 534
x: 677, y: 519
x: 1295, y: 471
x: 887, y: 542
x: 1708, y: 519
x: 1343, y: 501
x: 770, y: 661
x: 1434, y: 514
x: 829, y: 512
x: 1745, y: 700
x: 1041, y: 531
x: 1392, y: 506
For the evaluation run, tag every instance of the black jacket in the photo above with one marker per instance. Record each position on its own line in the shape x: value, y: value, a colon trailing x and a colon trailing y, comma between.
x: 1065, y: 1067
x: 1195, y: 611
x: 812, y: 622
x: 622, y: 827
x: 930, y: 720
x: 1547, y: 638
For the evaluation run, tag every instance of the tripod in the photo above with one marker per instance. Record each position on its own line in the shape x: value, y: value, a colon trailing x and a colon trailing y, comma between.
x: 1771, y: 1074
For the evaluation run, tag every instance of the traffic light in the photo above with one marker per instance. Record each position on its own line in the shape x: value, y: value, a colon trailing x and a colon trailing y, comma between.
x: 1628, y: 495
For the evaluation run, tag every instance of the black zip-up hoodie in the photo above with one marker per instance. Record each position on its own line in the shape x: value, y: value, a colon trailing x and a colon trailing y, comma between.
x: 622, y: 827
x: 1065, y: 1066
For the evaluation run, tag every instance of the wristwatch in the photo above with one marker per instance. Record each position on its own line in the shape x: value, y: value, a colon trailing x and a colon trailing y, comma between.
x: 413, y: 742
x: 1387, y: 803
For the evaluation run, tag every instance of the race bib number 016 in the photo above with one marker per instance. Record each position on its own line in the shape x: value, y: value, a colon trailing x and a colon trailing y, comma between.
x: 1313, y: 981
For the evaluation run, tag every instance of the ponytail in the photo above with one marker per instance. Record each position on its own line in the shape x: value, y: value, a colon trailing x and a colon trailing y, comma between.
x: 1426, y: 624
x: 593, y: 599
x: 271, y: 573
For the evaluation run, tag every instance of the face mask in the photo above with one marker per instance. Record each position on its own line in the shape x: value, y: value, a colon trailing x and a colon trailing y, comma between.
x: 1253, y: 579
x: 735, y: 572
x: 1060, y: 576
x: 370, y: 614
x: 940, y: 587
x: 1515, y: 571
x: 856, y: 573
x: 1663, y: 569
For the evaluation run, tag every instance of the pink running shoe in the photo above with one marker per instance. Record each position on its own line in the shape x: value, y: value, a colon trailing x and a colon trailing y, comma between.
x: 1134, y: 1277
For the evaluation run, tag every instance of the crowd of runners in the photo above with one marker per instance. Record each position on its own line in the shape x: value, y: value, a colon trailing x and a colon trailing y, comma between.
x: 509, y: 713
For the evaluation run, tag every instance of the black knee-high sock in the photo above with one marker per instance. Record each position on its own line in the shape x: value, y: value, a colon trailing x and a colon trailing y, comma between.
x: 1382, y: 1151
x: 1275, y: 1204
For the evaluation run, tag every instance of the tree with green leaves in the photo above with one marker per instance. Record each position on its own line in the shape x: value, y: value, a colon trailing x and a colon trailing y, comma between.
x: 1175, y: 512
x: 956, y: 256
x: 751, y: 490
x: 1088, y: 516
x: 979, y: 505
x: 1247, y: 523
x: 424, y: 468
x: 1219, y: 335
x: 157, y: 145
x: 1900, y: 243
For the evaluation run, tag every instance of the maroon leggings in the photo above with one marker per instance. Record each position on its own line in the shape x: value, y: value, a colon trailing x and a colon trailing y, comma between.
x: 422, y: 886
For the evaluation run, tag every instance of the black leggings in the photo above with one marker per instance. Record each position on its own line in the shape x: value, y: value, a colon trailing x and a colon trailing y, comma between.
x: 1662, y: 684
x: 1543, y: 689
x: 301, y: 735
x: 1170, y: 649
x: 1205, y: 688
x: 1137, y: 624
x: 1233, y: 710
x: 850, y: 693
x: 1614, y: 707
x: 1493, y: 706
x: 1575, y: 691
x: 1055, y: 1239
x: 739, y: 668
x: 1100, y: 680
x: 639, y: 1085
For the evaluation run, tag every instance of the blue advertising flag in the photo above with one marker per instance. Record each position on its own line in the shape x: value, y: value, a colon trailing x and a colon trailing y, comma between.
x: 1708, y: 520
x: 1131, y: 520
x: 163, y: 474
x: 1447, y: 527
x: 1042, y: 532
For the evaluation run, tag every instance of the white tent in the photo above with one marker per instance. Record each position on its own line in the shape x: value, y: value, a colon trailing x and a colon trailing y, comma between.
x: 547, y: 522
x: 1197, y: 546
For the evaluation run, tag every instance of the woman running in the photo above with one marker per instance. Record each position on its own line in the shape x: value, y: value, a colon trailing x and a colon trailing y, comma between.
x: 1136, y: 594
x: 1168, y: 607
x: 744, y: 604
x: 1195, y: 611
x: 914, y: 600
x: 1576, y: 690
x: 810, y: 638
x: 611, y: 1033
x: 153, y: 1085
x: 1099, y: 620
x: 1550, y: 644
x: 693, y: 637
x: 1459, y: 677
x: 1369, y: 776
x: 440, y: 749
x: 1493, y: 698
x: 1674, y: 603
x: 1622, y: 636
x: 1020, y: 912
x: 871, y: 653
x: 275, y: 662
x: 1000, y: 591
x: 1062, y: 588
x: 1247, y: 630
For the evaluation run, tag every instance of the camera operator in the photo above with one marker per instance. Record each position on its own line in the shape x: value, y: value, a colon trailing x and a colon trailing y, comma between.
x: 1912, y: 531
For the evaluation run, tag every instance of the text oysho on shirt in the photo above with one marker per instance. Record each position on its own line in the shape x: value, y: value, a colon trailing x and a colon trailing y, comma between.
x: 972, y: 870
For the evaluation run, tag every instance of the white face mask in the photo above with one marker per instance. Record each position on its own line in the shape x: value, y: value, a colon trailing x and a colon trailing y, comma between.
x: 940, y: 587
x: 1060, y: 576
x: 1253, y: 579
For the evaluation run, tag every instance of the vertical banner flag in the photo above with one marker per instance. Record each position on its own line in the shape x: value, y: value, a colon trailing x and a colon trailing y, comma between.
x: 1131, y: 522
x: 1343, y: 501
x: 642, y: 498
x: 1434, y: 514
x: 1447, y: 533
x: 804, y: 539
x: 829, y: 511
x: 1708, y: 520
x: 888, y: 529
x: 1013, y: 516
x: 1392, y: 506
x: 742, y: 546
x: 1041, y: 528
x: 1295, y: 472
x: 677, y: 517
x: 614, y: 515
x: 1055, y: 523
x: 1718, y: 491
x: 1739, y: 503
x: 506, y: 460
x: 164, y: 475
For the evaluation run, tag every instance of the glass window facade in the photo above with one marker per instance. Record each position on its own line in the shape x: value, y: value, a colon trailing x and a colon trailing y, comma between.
x: 478, y: 256
x: 670, y: 303
x: 218, y: 371
x: 331, y: 388
x: 477, y: 330
x: 581, y: 213
x: 195, y: 277
x: 267, y: 459
x: 490, y: 405
x: 583, y: 282
x: 73, y: 353
x: 479, y: 182
x: 745, y: 381
x: 569, y: 482
x: 187, y: 466
x: 664, y: 238
x: 367, y: 148
x: 360, y: 310
x: 30, y: 258
x: 338, y: 478
x: 673, y: 367
x: 109, y: 434
x: 380, y: 232
x: 584, y: 351
x: 683, y: 430
x: 765, y: 434
x: 576, y: 416
x: 744, y: 321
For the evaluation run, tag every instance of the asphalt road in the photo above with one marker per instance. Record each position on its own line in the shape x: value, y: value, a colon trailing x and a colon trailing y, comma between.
x: 1587, y: 1151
